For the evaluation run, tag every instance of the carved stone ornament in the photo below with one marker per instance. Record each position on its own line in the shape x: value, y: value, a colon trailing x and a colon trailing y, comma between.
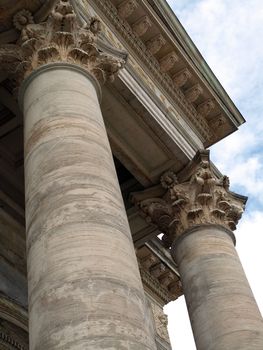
x: 168, y: 62
x: 206, y: 107
x: 199, y: 198
x: 161, y: 322
x: 60, y: 39
x: 155, y: 44
x: 181, y: 78
x: 193, y: 93
x: 141, y: 26
x: 22, y: 18
x: 217, y: 122
x: 126, y: 8
x: 159, y: 278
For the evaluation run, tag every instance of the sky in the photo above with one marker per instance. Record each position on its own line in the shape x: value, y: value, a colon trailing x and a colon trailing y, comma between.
x: 229, y: 35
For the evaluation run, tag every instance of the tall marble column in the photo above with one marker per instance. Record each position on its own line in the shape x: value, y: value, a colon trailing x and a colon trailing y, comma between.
x: 197, y: 215
x: 85, y: 290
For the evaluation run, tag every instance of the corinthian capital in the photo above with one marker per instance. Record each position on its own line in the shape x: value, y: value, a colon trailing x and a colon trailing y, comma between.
x: 60, y: 39
x: 198, y: 198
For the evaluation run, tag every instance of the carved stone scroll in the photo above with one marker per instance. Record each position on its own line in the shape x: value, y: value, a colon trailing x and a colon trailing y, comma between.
x: 22, y: 18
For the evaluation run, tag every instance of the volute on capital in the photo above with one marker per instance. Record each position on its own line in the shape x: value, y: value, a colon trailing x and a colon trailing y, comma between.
x: 197, y: 197
x: 60, y: 39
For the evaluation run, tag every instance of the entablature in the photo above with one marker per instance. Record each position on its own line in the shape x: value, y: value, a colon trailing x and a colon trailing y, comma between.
x: 161, y: 281
x: 172, y: 65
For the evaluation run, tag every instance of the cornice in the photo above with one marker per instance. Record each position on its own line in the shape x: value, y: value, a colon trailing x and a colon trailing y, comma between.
x: 152, y: 64
x: 211, y: 127
x: 155, y: 286
x: 199, y: 62
x: 213, y: 124
x: 158, y: 278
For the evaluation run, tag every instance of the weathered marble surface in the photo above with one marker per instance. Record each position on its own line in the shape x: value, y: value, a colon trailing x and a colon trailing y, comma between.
x: 221, y: 306
x: 85, y: 290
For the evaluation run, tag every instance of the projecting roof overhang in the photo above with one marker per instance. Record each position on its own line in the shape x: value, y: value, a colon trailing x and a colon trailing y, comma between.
x: 150, y: 30
x: 168, y: 59
x: 196, y: 59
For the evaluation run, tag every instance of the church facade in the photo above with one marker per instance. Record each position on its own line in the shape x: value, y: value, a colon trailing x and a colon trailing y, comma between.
x: 110, y: 206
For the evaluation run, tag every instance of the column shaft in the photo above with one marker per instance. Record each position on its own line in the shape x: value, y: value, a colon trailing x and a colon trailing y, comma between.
x: 221, y: 306
x: 85, y: 290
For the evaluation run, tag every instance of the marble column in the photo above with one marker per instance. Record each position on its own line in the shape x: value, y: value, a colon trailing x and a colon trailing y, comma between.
x: 85, y: 290
x: 221, y: 306
x: 197, y: 214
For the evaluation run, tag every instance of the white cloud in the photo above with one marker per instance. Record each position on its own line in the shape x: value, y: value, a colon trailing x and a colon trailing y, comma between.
x: 229, y: 34
x: 249, y: 246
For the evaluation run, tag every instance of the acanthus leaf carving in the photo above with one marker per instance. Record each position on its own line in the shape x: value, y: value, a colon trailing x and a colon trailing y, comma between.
x: 61, y: 39
x: 201, y: 199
